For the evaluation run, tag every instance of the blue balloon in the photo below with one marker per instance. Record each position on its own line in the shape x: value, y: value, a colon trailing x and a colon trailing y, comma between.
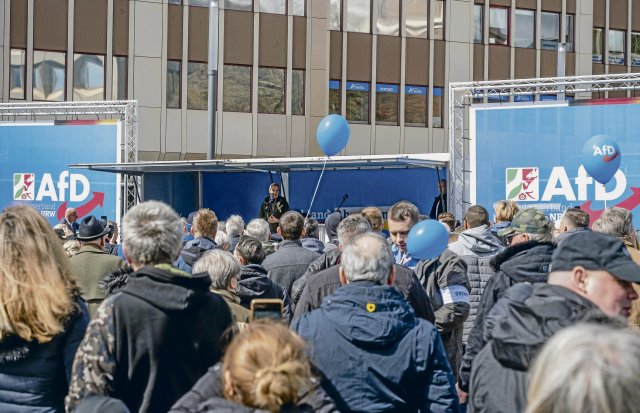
x: 333, y: 134
x: 601, y: 158
x: 427, y: 239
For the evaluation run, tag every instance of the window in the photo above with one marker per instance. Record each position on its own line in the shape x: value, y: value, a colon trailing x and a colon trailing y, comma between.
x: 358, y: 16
x: 271, y: 90
x: 298, y: 8
x: 175, y: 1
x: 598, y: 45
x: 415, y: 106
x: 335, y: 15
x: 570, y: 32
x: 297, y: 92
x: 197, y: 86
x: 88, y: 77
x: 244, y: 5
x: 499, y: 26
x: 549, y: 30
x: 173, y: 84
x: 635, y: 49
x: 17, y: 73
x: 438, y: 20
x: 119, y: 78
x: 335, y: 97
x: 273, y: 6
x: 236, y: 92
x: 49, y: 70
x: 478, y: 27
x: 387, y: 104
x: 388, y: 21
x: 417, y: 18
x: 525, y: 28
x: 437, y: 107
x: 198, y: 3
x: 358, y: 102
x: 616, y: 47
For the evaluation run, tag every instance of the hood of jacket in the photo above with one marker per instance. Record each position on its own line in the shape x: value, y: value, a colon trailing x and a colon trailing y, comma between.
x: 169, y: 288
x: 202, y: 242
x: 313, y: 244
x: 477, y: 241
x: 369, y: 314
x: 525, y: 323
x: 525, y: 262
x: 331, y: 225
x: 253, y: 282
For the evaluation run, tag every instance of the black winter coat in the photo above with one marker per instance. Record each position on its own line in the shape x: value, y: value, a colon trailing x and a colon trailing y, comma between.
x: 254, y: 283
x: 326, y: 260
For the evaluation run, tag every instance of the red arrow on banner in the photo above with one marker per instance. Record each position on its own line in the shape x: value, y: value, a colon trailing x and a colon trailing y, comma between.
x: 82, y: 210
x: 630, y: 203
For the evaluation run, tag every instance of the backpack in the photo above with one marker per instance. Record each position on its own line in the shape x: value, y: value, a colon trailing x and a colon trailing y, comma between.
x: 192, y: 254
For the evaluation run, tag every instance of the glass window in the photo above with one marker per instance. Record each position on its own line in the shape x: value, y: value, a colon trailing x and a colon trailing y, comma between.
x: 298, y: 8
x: 549, y: 30
x: 635, y: 49
x: 17, y: 73
x: 570, y: 32
x: 175, y: 1
x: 273, y: 6
x: 499, y: 26
x: 437, y: 107
x: 358, y: 102
x: 88, y: 77
x: 478, y: 27
x: 119, y: 78
x: 335, y: 97
x: 197, y: 86
x: 49, y: 76
x: 415, y: 106
x: 245, y: 5
x: 334, y: 15
x: 598, y: 46
x: 198, y: 3
x: 417, y: 18
x: 388, y: 21
x: 616, y: 47
x: 438, y: 20
x: 525, y: 28
x: 297, y: 92
x: 358, y: 16
x: 173, y: 84
x: 271, y: 90
x: 387, y: 104
x: 236, y: 93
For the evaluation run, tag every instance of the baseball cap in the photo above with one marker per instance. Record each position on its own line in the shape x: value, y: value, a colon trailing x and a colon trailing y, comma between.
x: 596, y: 251
x: 530, y: 220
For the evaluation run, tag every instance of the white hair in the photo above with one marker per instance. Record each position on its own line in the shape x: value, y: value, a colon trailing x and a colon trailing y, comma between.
x: 221, y: 265
x: 367, y: 257
x: 235, y: 226
x: 587, y: 368
x: 259, y: 228
x: 223, y: 240
x: 152, y: 233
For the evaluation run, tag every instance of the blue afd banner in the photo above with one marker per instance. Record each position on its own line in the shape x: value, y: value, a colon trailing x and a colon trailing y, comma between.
x: 34, y: 159
x: 532, y: 154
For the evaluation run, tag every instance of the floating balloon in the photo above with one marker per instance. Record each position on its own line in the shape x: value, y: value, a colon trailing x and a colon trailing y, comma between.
x: 333, y: 134
x: 601, y: 158
x: 427, y: 239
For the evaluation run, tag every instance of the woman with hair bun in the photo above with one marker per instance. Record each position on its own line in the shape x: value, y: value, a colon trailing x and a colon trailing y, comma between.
x: 266, y: 369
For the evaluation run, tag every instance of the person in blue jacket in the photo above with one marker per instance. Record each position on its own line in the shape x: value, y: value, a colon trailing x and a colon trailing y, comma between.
x: 43, y: 318
x: 367, y: 341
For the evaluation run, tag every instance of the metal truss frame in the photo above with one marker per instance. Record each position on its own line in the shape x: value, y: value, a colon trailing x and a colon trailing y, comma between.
x: 122, y: 110
x: 462, y: 95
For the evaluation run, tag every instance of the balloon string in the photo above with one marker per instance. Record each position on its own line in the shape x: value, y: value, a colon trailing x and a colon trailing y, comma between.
x: 316, y: 191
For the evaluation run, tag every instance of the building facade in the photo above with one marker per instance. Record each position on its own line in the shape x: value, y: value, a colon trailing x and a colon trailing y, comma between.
x: 285, y: 64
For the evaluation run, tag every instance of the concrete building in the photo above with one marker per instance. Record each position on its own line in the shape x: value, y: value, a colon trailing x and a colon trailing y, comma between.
x: 285, y: 64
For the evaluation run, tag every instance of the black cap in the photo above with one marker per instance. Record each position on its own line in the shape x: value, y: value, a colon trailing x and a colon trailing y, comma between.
x: 596, y: 251
x: 90, y: 228
x: 190, y: 217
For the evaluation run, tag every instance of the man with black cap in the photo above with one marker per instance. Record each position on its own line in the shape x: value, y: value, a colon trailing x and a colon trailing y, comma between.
x: 591, y: 280
x: 92, y: 262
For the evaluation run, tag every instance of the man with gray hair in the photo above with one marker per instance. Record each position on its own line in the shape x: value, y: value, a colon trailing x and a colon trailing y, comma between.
x: 365, y: 338
x: 235, y: 228
x: 153, y: 340
x: 574, y: 222
x: 259, y: 228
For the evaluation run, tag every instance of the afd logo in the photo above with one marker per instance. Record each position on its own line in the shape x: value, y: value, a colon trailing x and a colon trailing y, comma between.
x: 76, y: 186
x: 357, y: 86
x: 608, y: 152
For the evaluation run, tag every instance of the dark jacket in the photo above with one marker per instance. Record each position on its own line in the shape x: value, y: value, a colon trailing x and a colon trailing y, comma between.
x: 35, y: 377
x: 331, y: 228
x: 326, y: 260
x: 438, y: 207
x: 324, y: 283
x: 288, y: 263
x: 206, y: 396
x: 313, y: 244
x: 193, y: 250
x: 561, y: 237
x: 254, y: 283
x: 275, y: 207
x: 516, y: 329
x: 378, y: 356
x: 152, y: 341
x: 446, y: 283
x: 525, y: 262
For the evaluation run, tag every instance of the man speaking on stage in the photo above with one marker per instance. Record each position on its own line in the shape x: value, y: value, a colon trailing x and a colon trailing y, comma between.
x: 273, y: 207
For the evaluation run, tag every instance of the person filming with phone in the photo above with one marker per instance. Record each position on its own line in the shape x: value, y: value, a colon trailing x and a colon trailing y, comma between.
x: 273, y: 207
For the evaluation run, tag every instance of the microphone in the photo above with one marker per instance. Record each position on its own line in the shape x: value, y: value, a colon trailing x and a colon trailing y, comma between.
x: 344, y: 198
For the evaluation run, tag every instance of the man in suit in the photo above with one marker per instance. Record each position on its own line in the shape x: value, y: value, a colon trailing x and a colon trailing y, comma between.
x: 70, y: 220
x: 273, y: 207
x: 440, y: 202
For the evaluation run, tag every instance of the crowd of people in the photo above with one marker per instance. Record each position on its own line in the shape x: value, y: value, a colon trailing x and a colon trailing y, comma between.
x: 517, y: 314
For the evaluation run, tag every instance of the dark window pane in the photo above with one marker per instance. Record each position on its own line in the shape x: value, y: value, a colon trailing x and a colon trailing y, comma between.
x: 415, y: 106
x: 271, y: 90
x: 570, y: 32
x: 387, y: 104
x: 119, y: 78
x: 88, y: 77
x: 498, y: 26
x: 478, y: 27
x: 173, y: 84
x: 49, y: 73
x: 17, y: 70
x: 297, y: 92
x: 237, y: 88
x: 335, y: 98
x: 635, y: 49
x: 437, y: 107
x: 358, y: 102
x: 197, y: 86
